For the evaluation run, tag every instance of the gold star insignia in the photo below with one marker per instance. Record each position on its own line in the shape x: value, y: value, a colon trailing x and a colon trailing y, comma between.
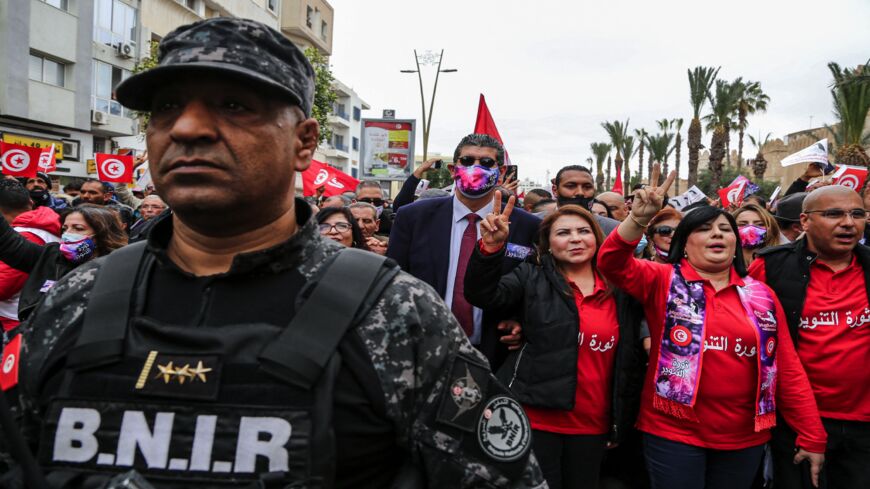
x: 183, y: 373
x: 199, y: 371
x: 166, y: 371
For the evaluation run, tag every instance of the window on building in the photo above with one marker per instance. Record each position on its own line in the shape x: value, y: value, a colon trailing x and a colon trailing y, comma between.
x: 272, y: 5
x: 309, y: 16
x: 191, y: 4
x: 106, y: 78
x: 354, y: 172
x: 61, y: 4
x: 356, y: 113
x: 46, y: 70
x: 323, y: 30
x: 339, y: 111
x: 114, y: 22
x: 355, y: 144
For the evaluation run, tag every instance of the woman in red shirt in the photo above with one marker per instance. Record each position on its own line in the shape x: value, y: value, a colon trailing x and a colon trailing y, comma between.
x: 721, y: 361
x: 580, y: 371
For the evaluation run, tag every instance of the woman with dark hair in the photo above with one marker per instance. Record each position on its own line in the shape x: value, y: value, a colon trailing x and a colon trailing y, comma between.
x: 578, y: 375
x: 600, y: 208
x: 660, y: 231
x: 338, y: 224
x: 89, y: 231
x: 721, y: 362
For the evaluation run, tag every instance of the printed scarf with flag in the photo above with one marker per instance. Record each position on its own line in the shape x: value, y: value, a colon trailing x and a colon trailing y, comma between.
x: 678, y: 367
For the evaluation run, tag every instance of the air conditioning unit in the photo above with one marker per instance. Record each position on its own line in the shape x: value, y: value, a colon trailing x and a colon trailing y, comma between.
x: 100, y: 118
x: 127, y: 49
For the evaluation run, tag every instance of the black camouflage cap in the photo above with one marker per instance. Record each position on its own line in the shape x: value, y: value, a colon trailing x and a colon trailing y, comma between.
x: 241, y: 48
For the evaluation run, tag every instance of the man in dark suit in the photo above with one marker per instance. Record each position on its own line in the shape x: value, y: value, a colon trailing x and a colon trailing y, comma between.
x: 432, y: 239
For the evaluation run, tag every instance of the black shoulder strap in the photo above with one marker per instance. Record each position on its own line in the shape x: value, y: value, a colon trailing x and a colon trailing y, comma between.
x: 108, y: 310
x: 306, y: 345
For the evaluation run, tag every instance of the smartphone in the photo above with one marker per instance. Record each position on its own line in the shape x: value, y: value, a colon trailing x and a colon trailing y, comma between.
x: 421, y: 187
x: 510, y: 173
x: 437, y: 164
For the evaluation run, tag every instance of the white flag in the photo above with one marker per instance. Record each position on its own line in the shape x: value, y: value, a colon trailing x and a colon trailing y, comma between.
x: 814, y: 153
x: 691, y: 196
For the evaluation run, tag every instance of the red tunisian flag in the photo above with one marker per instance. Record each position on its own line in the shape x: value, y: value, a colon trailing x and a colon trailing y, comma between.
x: 114, y: 168
x: 19, y: 161
x: 850, y: 176
x: 47, y: 160
x: 333, y: 181
x: 733, y: 194
x: 486, y: 125
x: 617, y: 185
x: 9, y: 363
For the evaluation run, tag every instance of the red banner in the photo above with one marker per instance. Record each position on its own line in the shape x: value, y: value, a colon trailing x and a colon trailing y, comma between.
x: 617, y: 185
x: 486, y: 125
x: 47, y: 160
x: 334, y: 182
x: 851, y: 176
x: 19, y: 161
x: 114, y: 168
x: 733, y: 194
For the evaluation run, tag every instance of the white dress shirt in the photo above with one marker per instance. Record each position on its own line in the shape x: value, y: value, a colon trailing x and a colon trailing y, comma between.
x: 457, y: 229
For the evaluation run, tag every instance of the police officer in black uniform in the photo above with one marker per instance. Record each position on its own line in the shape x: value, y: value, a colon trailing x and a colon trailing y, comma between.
x: 236, y: 347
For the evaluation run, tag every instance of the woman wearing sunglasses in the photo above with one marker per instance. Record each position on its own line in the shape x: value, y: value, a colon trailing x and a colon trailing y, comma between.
x: 660, y: 231
x: 338, y: 224
x: 722, y: 363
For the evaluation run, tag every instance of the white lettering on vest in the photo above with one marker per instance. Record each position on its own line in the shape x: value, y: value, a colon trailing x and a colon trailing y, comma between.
x: 74, y: 440
x: 153, y: 445
x: 250, y: 445
x: 203, y: 439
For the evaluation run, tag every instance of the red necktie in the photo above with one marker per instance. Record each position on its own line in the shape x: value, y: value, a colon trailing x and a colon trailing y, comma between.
x: 463, y: 311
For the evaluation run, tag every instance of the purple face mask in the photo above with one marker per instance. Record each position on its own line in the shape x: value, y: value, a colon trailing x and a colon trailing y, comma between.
x: 77, y: 248
x: 474, y: 181
x: 751, y: 236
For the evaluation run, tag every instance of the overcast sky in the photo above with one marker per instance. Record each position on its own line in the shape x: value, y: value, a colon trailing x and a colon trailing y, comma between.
x: 552, y: 71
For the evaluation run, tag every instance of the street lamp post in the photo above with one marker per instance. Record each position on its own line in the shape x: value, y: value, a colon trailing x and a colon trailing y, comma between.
x: 428, y: 58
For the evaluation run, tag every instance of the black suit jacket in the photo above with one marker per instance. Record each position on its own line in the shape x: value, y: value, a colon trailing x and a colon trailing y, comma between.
x: 420, y: 243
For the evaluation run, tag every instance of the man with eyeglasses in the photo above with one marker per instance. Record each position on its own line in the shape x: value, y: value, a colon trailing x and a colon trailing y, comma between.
x: 822, y: 281
x: 370, y: 192
x: 432, y: 239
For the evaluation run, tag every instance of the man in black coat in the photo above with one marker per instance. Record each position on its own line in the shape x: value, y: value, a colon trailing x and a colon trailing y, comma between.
x: 427, y: 238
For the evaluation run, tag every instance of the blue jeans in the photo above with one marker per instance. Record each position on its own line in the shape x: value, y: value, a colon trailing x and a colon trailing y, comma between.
x: 675, y: 465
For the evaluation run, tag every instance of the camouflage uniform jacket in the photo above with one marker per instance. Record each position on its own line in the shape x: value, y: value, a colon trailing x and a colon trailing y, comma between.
x: 438, y: 389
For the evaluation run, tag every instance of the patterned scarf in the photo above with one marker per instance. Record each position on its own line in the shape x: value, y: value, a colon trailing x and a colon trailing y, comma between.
x: 680, y: 355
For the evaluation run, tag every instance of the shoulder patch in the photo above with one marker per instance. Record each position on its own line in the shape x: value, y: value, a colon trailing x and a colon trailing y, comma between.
x: 466, y: 389
x: 504, y: 432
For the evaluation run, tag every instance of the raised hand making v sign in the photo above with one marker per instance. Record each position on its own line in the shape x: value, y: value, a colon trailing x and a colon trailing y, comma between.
x: 495, y: 227
x: 647, y: 202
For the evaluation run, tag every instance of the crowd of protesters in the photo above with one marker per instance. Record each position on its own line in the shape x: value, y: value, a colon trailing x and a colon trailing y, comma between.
x: 648, y: 346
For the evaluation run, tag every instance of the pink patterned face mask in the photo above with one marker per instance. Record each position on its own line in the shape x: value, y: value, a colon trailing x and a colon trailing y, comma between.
x: 474, y: 181
x: 752, y: 236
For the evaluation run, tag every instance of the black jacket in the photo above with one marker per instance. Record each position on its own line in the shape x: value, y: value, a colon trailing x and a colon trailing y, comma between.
x: 544, y: 372
x: 787, y: 269
x: 43, y: 263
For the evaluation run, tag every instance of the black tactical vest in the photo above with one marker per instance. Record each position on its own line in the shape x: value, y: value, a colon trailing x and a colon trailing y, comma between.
x: 244, y: 405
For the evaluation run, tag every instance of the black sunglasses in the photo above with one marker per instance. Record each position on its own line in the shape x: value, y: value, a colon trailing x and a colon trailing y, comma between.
x: 664, y: 230
x: 373, y: 201
x: 470, y: 160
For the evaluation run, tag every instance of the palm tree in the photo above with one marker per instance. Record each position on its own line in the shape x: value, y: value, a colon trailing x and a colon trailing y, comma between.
x: 627, y: 151
x: 851, y: 93
x: 609, y: 160
x: 664, y: 126
x: 660, y: 148
x: 677, y: 124
x: 600, y: 150
x: 617, y: 131
x: 722, y: 104
x: 640, y: 134
x: 752, y: 99
x: 759, y: 164
x: 701, y: 79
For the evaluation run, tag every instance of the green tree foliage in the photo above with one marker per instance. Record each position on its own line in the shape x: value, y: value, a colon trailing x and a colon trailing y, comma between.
x: 324, y: 94
x: 729, y: 173
x: 145, y: 64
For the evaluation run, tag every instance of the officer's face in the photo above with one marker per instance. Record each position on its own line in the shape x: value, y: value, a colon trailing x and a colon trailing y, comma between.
x: 224, y: 154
